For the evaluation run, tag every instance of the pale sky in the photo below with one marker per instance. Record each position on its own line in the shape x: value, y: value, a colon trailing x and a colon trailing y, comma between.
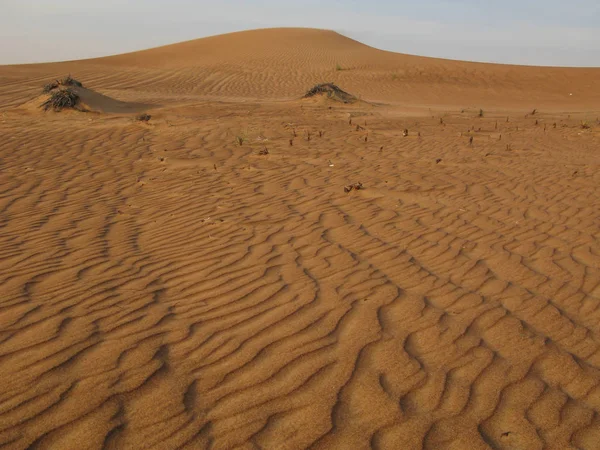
x: 538, y: 32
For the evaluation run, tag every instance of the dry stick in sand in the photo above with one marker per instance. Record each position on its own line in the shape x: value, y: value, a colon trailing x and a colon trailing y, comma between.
x: 357, y: 186
x: 144, y: 117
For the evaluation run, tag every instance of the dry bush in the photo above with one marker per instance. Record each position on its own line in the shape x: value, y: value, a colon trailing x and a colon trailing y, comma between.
x: 61, y: 99
x: 332, y: 91
x: 67, y: 81
x: 144, y: 117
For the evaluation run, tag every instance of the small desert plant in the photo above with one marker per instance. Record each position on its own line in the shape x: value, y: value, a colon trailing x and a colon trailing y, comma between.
x: 533, y: 112
x: 144, y: 117
x: 70, y: 81
x: 240, y: 140
x: 61, y: 99
x: 332, y: 91
x: 66, y: 81
x: 338, y: 67
x: 356, y: 186
x: 50, y: 87
x: 585, y: 125
x: 481, y: 113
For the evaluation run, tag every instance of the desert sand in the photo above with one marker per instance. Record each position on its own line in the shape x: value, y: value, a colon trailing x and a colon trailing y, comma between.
x: 208, y: 279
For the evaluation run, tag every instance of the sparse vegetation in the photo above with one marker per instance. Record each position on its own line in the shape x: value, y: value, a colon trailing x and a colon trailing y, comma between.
x: 356, y: 186
x: 61, y: 99
x: 332, y: 91
x: 481, y: 113
x: 67, y: 81
x: 585, y: 125
x: 70, y: 81
x: 144, y: 117
x: 338, y: 68
x: 50, y: 87
x: 240, y: 140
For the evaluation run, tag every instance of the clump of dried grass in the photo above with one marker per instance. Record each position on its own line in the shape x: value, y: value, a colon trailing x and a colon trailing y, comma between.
x: 61, y: 99
x: 67, y: 81
x: 332, y: 91
x: 144, y: 117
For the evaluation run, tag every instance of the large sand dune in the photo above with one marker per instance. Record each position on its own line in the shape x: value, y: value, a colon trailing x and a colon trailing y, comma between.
x: 164, y: 285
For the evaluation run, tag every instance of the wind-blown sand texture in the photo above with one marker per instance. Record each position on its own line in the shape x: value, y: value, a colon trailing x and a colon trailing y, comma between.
x: 163, y: 286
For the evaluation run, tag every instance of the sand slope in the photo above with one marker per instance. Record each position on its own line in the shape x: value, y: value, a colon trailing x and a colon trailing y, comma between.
x: 163, y: 286
x: 284, y: 63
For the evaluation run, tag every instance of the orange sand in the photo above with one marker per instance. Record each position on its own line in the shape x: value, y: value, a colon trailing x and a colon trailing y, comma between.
x: 162, y: 286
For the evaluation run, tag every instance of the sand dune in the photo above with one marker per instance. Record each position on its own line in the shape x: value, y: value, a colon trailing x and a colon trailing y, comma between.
x: 279, y: 64
x: 171, y: 284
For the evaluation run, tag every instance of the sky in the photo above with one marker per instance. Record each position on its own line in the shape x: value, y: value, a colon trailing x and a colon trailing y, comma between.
x: 534, y: 32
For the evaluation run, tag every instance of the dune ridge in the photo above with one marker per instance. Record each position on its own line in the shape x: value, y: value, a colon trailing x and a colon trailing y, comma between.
x: 276, y: 64
x: 171, y: 284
